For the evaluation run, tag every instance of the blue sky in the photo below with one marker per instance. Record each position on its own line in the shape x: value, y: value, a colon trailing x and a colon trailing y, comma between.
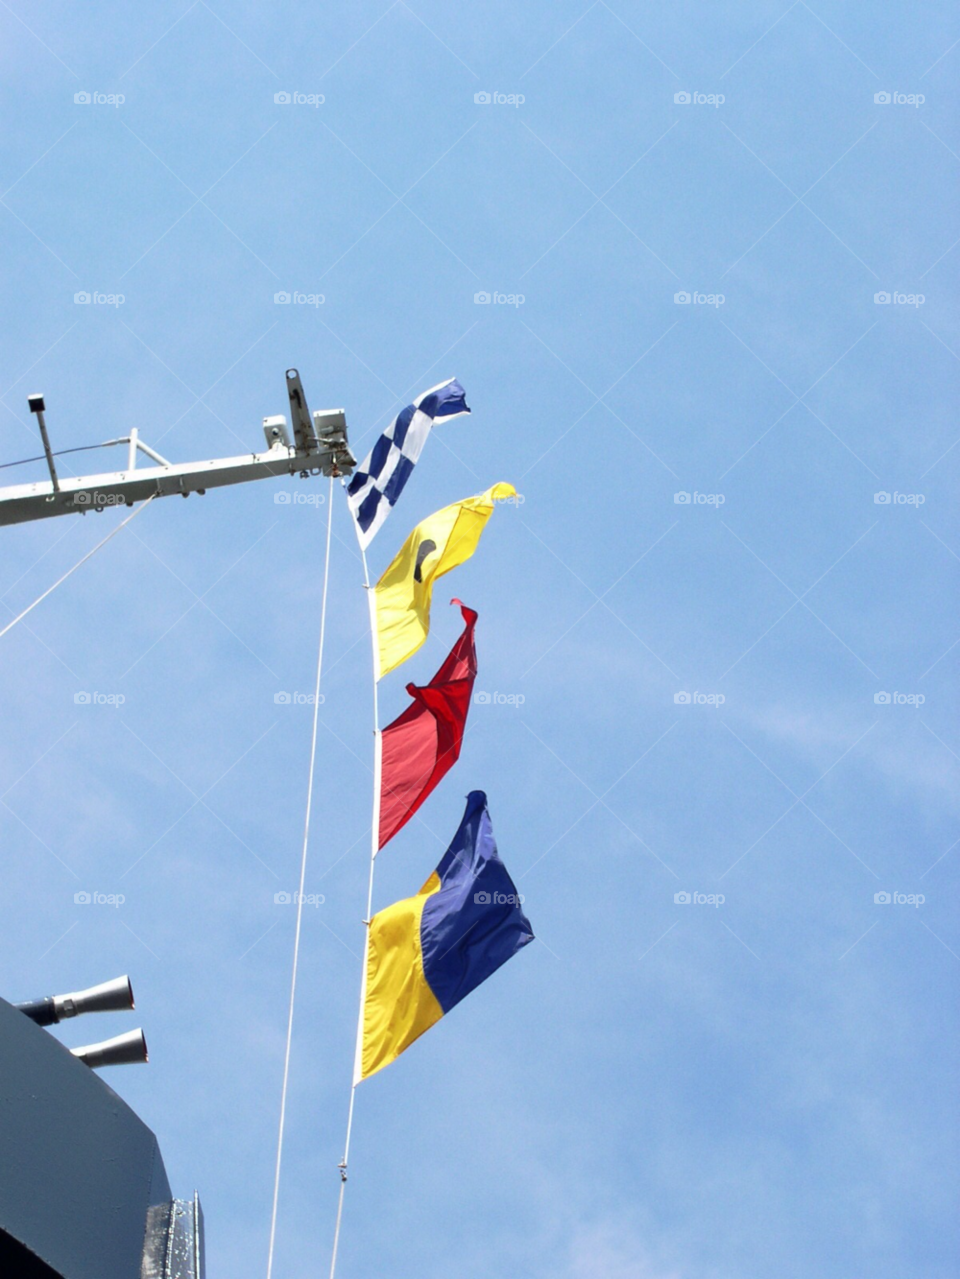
x: 658, y: 1089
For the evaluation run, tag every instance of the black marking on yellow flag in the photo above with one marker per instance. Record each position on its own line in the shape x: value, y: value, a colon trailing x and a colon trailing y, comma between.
x: 423, y: 550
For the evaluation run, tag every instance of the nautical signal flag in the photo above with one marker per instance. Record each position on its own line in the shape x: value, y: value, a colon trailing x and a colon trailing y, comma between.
x: 426, y: 953
x: 379, y: 479
x: 401, y: 604
x: 422, y: 745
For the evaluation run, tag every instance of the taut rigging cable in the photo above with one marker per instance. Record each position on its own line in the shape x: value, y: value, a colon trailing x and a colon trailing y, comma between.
x: 50, y: 589
x: 303, y: 871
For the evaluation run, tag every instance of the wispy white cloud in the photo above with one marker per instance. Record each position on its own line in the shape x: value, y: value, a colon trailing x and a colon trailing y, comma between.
x: 612, y: 1249
x: 913, y: 761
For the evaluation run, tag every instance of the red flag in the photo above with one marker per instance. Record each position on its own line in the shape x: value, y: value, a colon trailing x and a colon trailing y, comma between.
x: 421, y: 746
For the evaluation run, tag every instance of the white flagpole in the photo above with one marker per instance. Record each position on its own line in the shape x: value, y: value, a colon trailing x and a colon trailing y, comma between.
x: 374, y: 843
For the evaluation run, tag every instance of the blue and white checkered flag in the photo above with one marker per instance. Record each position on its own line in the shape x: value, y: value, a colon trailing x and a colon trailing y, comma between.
x: 379, y: 479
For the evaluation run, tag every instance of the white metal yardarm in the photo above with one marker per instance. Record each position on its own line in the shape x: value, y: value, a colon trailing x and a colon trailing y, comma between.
x: 319, y: 448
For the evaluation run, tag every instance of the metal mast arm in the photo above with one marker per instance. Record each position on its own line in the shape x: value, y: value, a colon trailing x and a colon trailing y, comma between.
x: 321, y: 449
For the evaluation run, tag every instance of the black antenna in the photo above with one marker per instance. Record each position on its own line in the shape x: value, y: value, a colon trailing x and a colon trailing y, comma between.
x: 37, y: 406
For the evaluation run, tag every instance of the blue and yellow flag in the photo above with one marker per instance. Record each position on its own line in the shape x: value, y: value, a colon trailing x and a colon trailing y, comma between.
x: 401, y: 599
x: 425, y: 953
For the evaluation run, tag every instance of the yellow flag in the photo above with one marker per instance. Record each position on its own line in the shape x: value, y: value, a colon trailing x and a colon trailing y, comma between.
x: 402, y: 596
x: 398, y: 1002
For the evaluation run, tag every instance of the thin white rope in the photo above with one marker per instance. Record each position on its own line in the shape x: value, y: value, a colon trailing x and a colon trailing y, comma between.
x: 374, y: 842
x: 49, y: 591
x: 303, y: 872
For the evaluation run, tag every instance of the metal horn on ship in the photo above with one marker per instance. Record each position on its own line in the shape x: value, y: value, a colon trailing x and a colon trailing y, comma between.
x: 122, y: 1050
x: 108, y: 997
